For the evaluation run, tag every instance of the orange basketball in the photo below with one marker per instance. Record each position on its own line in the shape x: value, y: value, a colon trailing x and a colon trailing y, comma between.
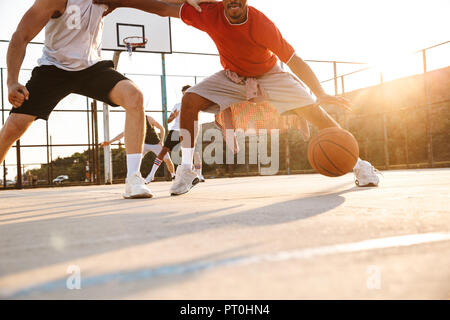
x: 333, y: 152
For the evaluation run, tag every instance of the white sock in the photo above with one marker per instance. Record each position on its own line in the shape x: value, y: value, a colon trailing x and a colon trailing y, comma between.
x: 358, y: 163
x: 199, y: 171
x: 156, y: 164
x: 187, y: 159
x: 133, y: 164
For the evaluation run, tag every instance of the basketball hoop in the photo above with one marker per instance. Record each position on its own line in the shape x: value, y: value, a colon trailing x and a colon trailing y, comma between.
x: 132, y: 43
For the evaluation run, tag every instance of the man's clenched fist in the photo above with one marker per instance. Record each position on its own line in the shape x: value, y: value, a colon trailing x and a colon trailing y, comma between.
x: 17, y: 94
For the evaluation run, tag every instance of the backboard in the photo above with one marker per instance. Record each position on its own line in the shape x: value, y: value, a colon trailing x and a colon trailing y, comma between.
x: 125, y: 22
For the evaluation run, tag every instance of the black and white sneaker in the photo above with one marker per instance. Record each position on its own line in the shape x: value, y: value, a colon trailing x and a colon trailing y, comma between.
x: 185, y: 180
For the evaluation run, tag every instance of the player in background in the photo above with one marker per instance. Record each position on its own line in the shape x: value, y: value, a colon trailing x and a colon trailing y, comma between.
x: 152, y: 142
x: 172, y: 140
x: 198, y: 166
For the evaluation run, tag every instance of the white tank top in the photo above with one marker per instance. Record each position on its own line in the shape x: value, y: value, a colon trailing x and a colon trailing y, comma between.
x: 73, y: 41
x: 176, y: 123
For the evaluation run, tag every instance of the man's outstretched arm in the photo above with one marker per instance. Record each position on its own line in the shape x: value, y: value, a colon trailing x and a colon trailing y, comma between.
x: 117, y: 138
x: 304, y: 72
x: 166, y: 8
x: 173, y: 116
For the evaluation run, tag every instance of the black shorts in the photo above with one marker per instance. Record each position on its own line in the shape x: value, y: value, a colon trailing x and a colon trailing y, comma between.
x: 49, y: 85
x: 172, y: 140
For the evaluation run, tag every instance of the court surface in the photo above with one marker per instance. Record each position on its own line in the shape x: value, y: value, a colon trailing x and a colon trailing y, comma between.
x: 282, y: 237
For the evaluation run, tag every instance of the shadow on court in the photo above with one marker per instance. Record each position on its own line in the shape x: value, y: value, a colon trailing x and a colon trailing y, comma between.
x: 112, y: 225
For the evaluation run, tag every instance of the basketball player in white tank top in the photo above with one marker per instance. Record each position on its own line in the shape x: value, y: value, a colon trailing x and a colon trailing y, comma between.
x: 71, y: 63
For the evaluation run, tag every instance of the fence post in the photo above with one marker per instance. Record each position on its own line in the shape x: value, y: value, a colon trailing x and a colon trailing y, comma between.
x: 429, y: 127
x: 164, y: 91
x: 3, y: 121
x: 89, y: 159
x: 51, y: 160
x: 386, y: 147
x: 346, y: 117
x: 49, y: 178
x: 19, y: 166
x: 95, y: 142
x: 164, y: 101
x: 107, y: 157
x: 406, y: 144
x: 288, y: 154
x: 335, y: 78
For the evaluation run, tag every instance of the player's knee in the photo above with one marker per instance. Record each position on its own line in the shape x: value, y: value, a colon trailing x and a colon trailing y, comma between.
x: 9, y: 133
x: 189, y: 102
x: 135, y: 101
x: 13, y: 130
x: 138, y: 99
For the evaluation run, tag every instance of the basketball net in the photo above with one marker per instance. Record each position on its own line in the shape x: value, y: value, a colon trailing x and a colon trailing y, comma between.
x: 132, y: 43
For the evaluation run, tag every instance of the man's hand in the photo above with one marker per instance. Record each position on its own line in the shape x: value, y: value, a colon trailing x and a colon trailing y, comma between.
x: 17, y: 94
x: 111, y: 4
x: 173, y: 116
x: 196, y: 3
x: 341, y: 102
x: 105, y: 144
x: 109, y: 10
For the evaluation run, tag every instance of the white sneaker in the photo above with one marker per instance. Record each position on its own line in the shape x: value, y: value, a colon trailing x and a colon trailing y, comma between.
x: 366, y: 175
x: 184, y: 181
x: 201, y: 178
x: 135, y: 188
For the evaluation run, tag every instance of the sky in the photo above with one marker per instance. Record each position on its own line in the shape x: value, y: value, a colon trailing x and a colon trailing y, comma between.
x: 382, y: 33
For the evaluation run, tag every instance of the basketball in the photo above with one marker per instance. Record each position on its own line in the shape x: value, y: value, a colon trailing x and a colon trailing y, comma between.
x: 333, y: 152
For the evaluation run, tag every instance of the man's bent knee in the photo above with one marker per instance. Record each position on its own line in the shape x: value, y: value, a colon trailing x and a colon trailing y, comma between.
x: 188, y: 100
x: 128, y: 95
x: 134, y: 101
x: 195, y: 102
x: 16, y: 125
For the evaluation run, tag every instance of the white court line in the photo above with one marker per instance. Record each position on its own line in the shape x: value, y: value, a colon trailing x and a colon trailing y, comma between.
x: 202, y: 266
x: 374, y: 244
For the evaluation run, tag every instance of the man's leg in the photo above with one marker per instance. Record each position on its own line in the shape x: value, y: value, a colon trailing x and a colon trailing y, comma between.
x: 186, y: 178
x: 163, y: 154
x: 15, y: 126
x: 198, y: 166
x: 192, y: 104
x: 365, y: 174
x: 126, y: 94
x: 170, y: 166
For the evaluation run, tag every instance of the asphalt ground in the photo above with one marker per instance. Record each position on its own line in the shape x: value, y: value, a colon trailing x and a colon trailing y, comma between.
x: 278, y: 237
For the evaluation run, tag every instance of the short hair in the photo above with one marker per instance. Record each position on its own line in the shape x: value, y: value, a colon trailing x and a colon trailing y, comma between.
x: 187, y: 87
